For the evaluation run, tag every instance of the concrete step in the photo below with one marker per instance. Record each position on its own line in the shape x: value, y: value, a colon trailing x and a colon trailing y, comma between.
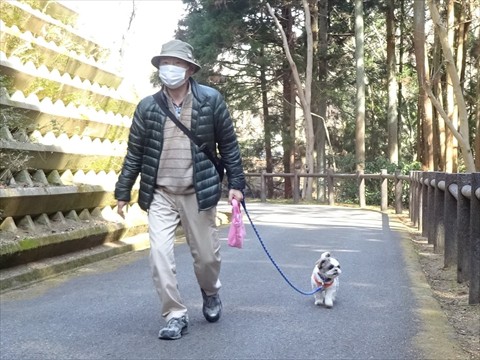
x: 46, y: 265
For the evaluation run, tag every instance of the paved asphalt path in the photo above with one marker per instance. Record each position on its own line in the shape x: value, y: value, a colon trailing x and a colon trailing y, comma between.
x: 109, y: 310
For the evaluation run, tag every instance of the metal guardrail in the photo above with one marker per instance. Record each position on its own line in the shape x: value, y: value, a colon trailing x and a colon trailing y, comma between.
x: 444, y: 207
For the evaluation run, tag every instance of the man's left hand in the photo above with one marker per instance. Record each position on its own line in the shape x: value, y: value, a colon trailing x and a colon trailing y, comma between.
x: 235, y: 194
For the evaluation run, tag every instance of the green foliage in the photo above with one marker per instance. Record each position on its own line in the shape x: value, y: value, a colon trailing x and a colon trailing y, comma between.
x: 154, y: 79
x: 44, y: 88
x: 238, y: 43
x: 346, y: 163
x: 62, y: 37
x: 45, y: 7
x: 251, y: 149
x: 11, y: 15
x: 26, y: 51
x: 35, y: 4
x: 7, y: 82
x: 13, y: 120
x: 347, y: 189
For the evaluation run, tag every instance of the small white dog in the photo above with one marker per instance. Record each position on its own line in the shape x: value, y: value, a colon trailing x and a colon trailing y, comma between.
x: 325, y: 275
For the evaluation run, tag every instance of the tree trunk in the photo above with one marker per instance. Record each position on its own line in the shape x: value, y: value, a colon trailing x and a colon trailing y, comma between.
x: 288, y: 130
x: 319, y: 37
x: 303, y: 94
x: 463, y: 25
x: 424, y: 104
x: 126, y: 36
x: 267, y: 125
x: 463, y: 135
x: 319, y: 152
x: 450, y: 144
x: 307, y: 101
x: 400, y: 71
x: 288, y: 127
x: 439, y: 124
x: 477, y: 112
x: 464, y: 21
x: 360, y: 100
x: 322, y: 105
x: 391, y: 85
x: 477, y: 135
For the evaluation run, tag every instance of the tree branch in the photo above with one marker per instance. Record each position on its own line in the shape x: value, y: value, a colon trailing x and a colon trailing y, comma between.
x: 296, y: 77
x: 452, y: 71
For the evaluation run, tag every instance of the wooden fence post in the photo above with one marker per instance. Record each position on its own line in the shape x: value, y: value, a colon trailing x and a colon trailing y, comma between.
x: 330, y: 186
x: 431, y: 207
x: 450, y: 217
x: 416, y: 179
x: 398, y: 192
x: 439, y: 218
x: 296, y: 191
x: 263, y: 194
x: 463, y: 229
x: 412, y: 198
x: 383, y: 190
x: 474, y: 294
x: 361, y: 188
x: 424, y: 217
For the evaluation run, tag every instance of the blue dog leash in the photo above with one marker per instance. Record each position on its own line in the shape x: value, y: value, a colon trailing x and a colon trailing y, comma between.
x: 273, y: 261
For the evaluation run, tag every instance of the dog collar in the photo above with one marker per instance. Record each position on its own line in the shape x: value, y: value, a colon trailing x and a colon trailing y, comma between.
x: 323, y: 282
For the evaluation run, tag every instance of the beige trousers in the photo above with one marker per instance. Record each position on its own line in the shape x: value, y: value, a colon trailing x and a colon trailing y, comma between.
x: 165, y: 213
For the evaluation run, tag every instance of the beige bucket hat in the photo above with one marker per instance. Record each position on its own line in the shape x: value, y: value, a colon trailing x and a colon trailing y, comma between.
x: 178, y: 49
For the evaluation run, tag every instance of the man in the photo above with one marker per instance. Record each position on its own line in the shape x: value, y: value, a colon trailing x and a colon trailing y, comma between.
x: 178, y: 182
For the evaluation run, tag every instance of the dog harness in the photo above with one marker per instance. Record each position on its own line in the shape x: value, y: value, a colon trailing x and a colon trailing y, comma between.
x: 321, y: 282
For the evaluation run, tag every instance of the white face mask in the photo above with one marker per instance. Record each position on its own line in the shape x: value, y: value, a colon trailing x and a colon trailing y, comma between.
x: 172, y: 76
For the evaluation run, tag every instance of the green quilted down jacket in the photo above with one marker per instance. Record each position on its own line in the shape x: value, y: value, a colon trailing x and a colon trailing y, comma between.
x: 211, y: 122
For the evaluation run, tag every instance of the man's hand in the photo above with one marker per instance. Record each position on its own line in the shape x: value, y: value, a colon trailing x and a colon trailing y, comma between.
x: 120, y: 205
x: 235, y: 194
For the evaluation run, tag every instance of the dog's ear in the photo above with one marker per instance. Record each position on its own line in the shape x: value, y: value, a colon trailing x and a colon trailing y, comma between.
x: 322, y: 259
x: 325, y: 255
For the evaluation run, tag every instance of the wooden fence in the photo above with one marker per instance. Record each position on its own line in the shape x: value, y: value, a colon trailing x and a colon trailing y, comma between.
x: 330, y: 177
x: 444, y: 207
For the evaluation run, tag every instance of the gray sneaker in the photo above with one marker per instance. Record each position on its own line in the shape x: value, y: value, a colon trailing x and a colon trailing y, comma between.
x: 175, y: 328
x: 212, y: 307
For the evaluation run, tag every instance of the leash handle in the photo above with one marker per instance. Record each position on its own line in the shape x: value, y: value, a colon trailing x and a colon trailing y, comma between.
x: 308, y: 293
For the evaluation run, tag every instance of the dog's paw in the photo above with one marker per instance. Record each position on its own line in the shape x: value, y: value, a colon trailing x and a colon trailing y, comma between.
x: 318, y: 302
x: 329, y: 304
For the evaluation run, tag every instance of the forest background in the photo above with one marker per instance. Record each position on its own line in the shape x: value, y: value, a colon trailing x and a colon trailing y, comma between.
x: 324, y: 85
x: 350, y: 86
x: 385, y: 84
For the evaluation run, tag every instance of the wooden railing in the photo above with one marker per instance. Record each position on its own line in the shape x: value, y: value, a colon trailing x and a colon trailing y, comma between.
x: 444, y: 207
x: 446, y: 210
x: 330, y: 177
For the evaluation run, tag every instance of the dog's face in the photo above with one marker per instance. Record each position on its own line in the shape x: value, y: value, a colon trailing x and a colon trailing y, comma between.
x: 328, y: 266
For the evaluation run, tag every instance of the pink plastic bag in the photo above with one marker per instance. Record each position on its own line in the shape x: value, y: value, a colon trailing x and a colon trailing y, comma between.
x: 236, y: 234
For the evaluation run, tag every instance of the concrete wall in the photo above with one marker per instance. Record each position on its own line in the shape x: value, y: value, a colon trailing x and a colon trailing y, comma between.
x: 60, y: 156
